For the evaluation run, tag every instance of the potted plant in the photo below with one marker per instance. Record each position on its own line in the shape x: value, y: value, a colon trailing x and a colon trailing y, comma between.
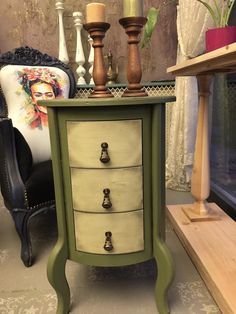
x: 222, y: 34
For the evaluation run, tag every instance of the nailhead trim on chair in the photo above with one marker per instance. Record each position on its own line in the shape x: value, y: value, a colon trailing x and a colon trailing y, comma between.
x: 26, y: 199
x: 41, y: 204
x: 36, y: 206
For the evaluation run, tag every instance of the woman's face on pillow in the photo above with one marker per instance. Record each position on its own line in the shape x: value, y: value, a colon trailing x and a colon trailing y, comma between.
x: 41, y: 91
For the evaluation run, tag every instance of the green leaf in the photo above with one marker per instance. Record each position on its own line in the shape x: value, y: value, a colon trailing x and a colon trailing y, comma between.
x: 152, y: 17
x: 217, y: 9
x: 230, y: 6
x: 209, y: 8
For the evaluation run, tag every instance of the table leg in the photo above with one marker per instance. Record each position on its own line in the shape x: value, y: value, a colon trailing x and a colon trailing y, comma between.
x: 57, y: 277
x: 161, y: 253
x: 200, y: 183
x: 165, y: 274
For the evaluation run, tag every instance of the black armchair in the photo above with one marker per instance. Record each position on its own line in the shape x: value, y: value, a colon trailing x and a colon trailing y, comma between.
x: 26, y: 176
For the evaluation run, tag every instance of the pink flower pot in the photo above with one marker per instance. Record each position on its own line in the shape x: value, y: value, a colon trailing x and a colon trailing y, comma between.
x: 220, y: 37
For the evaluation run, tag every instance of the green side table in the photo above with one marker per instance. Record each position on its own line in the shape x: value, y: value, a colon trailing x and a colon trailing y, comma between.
x: 109, y: 171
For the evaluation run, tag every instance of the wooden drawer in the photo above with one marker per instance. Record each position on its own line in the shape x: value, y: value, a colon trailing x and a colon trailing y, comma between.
x: 126, y: 228
x: 124, y: 139
x: 125, y: 185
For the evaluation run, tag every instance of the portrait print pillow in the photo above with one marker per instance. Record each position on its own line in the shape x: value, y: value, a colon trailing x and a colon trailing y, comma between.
x: 22, y: 87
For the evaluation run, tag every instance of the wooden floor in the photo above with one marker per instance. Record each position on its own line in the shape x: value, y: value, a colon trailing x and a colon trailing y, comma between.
x: 212, y: 247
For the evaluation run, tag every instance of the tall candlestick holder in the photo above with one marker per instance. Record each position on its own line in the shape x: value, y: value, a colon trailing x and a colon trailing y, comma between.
x: 63, y: 54
x: 79, y: 57
x: 133, y: 27
x: 97, y: 32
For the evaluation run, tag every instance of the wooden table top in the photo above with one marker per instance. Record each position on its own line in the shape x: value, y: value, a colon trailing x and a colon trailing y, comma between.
x: 222, y: 60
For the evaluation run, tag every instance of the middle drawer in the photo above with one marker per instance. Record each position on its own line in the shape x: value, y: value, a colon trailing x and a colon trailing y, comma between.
x: 89, y: 187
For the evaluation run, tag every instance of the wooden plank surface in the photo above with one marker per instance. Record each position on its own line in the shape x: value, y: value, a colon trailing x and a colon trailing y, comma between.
x: 212, y: 248
x: 219, y: 60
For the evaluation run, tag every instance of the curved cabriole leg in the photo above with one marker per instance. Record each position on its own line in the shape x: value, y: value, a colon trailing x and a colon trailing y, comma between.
x: 57, y: 278
x: 165, y: 267
x: 21, y: 219
x: 165, y: 264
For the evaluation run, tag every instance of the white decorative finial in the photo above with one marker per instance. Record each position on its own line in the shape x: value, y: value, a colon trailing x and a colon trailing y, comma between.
x: 79, y: 58
x: 91, y: 59
x: 63, y: 55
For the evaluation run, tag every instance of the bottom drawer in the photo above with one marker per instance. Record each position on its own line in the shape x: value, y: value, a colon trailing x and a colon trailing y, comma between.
x: 126, y: 229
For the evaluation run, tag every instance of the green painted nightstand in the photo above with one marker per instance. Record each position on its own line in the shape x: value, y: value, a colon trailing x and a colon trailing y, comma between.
x: 109, y: 171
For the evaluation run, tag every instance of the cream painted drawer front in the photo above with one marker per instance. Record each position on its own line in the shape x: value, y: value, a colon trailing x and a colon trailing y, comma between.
x: 124, y: 139
x: 125, y: 185
x: 126, y: 229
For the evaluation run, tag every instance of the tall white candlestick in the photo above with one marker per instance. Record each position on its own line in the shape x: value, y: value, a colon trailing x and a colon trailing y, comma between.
x: 91, y: 59
x: 63, y: 55
x: 79, y: 58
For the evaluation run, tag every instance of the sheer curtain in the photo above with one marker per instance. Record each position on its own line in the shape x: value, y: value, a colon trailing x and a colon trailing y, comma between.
x: 192, y: 22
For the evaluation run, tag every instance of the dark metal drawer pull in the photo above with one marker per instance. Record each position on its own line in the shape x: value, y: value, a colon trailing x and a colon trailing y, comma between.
x: 104, y: 154
x: 108, y: 244
x: 106, y: 200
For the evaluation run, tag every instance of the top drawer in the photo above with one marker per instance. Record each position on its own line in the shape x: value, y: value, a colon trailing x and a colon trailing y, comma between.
x: 124, y: 139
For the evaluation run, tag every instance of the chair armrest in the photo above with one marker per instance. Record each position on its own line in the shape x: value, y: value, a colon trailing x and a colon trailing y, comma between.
x: 12, y: 186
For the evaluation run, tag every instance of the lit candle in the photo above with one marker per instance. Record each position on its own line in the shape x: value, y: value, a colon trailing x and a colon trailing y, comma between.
x: 95, y: 12
x: 133, y: 8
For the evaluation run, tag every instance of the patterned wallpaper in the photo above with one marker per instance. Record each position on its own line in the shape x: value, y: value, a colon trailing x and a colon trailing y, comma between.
x: 34, y: 23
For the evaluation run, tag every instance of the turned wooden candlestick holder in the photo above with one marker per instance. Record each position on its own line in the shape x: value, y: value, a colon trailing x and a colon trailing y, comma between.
x: 133, y: 27
x: 97, y: 32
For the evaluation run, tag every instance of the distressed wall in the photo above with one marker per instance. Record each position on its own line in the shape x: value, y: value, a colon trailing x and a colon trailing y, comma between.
x: 34, y: 23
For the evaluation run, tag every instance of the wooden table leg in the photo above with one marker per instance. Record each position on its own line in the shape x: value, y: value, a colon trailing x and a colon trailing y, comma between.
x: 200, y: 183
x: 165, y: 275
x: 57, y: 278
x: 162, y: 255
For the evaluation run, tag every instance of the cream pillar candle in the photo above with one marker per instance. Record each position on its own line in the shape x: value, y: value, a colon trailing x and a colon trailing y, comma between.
x: 95, y: 12
x: 132, y: 8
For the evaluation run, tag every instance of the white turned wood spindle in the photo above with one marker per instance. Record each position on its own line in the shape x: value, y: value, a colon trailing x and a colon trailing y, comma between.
x: 91, y: 59
x: 63, y: 54
x: 79, y: 58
